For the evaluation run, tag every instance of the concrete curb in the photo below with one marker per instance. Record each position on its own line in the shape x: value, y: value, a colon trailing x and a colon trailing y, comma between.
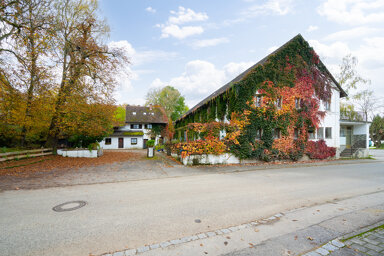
x: 199, y: 236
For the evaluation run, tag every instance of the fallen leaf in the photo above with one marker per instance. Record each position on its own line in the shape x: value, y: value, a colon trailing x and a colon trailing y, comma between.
x: 225, y: 243
x: 201, y: 244
x: 295, y: 237
x: 228, y: 237
x: 256, y: 230
x: 310, y: 238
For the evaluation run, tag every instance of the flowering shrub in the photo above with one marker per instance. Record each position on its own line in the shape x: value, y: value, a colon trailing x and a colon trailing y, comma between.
x: 319, y: 150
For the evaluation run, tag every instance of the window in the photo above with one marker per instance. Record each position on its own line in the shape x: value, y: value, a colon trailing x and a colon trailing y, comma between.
x: 327, y: 105
x: 259, y: 133
x: 145, y: 113
x: 149, y: 126
x: 133, y: 141
x: 277, y: 133
x: 258, y: 100
x: 108, y: 141
x: 328, y: 132
x: 296, y: 133
x: 311, y: 135
x: 297, y: 103
x: 136, y: 126
x: 320, y: 133
x: 279, y: 102
x: 134, y: 113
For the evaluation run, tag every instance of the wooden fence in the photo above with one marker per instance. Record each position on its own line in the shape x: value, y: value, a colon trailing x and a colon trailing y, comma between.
x: 25, y: 154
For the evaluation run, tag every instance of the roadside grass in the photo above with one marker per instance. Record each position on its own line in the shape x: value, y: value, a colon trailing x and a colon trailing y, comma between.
x: 7, y: 150
x: 362, y: 234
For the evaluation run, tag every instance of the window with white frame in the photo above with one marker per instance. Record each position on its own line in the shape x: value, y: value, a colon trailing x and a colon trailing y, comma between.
x: 135, y: 126
x: 296, y: 133
x: 297, y: 103
x: 328, y: 132
x: 311, y: 134
x: 133, y: 141
x: 277, y: 133
x: 279, y: 102
x: 149, y: 126
x: 327, y: 105
x: 258, y: 100
x: 320, y: 133
x: 108, y: 141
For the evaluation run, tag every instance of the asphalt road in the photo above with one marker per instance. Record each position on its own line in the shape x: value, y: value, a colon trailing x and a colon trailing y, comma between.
x: 132, y: 214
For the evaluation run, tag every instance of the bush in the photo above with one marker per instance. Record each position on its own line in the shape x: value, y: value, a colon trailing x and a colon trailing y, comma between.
x: 319, y: 150
x: 151, y: 143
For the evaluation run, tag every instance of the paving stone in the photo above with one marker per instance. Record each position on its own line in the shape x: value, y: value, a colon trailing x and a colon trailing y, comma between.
x: 210, y: 234
x: 322, y: 251
x: 359, y: 247
x: 262, y: 221
x: 373, y: 253
x: 193, y: 238
x: 154, y: 246
x: 329, y: 247
x: 165, y: 244
x: 201, y: 236
x: 233, y: 229
x: 348, y: 242
x: 143, y: 249
x: 225, y: 231
x: 176, y: 241
x: 312, y: 254
x: 219, y: 232
x: 118, y: 254
x: 279, y: 215
x: 271, y: 218
x: 130, y: 252
x: 373, y: 247
x: 337, y: 243
x: 243, y: 226
x: 371, y: 241
x: 358, y: 241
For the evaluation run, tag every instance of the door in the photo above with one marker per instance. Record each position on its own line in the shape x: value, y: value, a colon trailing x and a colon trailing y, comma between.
x: 121, y: 142
x: 348, y: 137
x: 145, y: 143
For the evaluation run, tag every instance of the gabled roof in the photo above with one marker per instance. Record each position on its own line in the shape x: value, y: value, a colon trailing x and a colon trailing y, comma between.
x: 246, y: 72
x: 150, y: 114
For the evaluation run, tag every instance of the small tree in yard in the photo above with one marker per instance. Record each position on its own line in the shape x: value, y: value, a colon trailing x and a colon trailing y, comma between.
x: 377, y: 130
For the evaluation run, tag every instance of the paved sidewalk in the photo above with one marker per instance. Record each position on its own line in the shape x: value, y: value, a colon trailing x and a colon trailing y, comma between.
x: 370, y: 243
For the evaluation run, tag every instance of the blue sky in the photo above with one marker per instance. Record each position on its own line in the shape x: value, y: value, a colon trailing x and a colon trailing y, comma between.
x: 197, y: 46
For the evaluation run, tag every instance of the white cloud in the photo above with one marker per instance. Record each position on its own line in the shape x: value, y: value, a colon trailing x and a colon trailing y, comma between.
x: 353, y: 12
x: 173, y: 27
x: 272, y: 49
x: 180, y: 32
x: 129, y: 73
x: 200, y: 78
x: 312, y: 28
x: 150, y: 9
x: 185, y: 15
x: 371, y: 54
x: 348, y: 34
x: 335, y: 50
x: 277, y: 7
x: 209, y: 42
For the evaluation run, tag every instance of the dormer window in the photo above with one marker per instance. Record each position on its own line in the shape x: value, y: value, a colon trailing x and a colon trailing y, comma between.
x: 134, y: 113
x: 145, y: 113
x: 152, y: 113
x: 258, y: 100
x: 279, y: 102
x: 297, y: 103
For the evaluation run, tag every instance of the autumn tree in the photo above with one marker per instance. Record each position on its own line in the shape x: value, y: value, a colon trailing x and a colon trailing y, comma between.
x: 170, y: 99
x: 88, y: 67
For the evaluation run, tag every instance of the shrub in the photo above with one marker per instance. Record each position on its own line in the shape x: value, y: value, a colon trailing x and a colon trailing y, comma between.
x: 151, y: 143
x: 319, y: 150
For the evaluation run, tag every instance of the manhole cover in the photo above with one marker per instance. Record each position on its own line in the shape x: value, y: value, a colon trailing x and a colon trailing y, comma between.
x: 69, y: 206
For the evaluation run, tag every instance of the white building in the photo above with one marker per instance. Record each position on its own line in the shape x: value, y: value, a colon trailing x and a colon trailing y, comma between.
x: 139, y: 122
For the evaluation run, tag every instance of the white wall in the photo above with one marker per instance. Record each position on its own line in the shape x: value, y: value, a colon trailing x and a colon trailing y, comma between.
x: 332, y: 119
x: 127, y: 143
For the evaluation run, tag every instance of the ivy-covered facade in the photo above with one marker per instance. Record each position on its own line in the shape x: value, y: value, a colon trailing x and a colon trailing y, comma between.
x: 282, y: 101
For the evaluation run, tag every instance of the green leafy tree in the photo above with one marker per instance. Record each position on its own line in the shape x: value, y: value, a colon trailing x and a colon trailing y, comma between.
x: 170, y: 99
x: 376, y: 130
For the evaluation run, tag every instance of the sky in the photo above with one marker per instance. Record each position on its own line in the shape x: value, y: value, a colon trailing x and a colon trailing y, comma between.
x: 197, y: 46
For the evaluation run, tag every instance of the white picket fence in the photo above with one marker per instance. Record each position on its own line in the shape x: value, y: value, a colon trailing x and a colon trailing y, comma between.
x: 25, y: 154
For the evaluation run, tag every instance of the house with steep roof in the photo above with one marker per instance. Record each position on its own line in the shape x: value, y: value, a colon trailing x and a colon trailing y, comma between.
x: 139, y: 121
x: 288, y: 95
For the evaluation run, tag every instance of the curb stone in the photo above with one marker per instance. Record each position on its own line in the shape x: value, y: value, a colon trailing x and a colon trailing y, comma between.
x: 201, y: 236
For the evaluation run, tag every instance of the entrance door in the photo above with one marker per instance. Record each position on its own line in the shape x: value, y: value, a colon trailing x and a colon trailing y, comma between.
x: 348, y: 135
x: 145, y: 143
x: 121, y: 142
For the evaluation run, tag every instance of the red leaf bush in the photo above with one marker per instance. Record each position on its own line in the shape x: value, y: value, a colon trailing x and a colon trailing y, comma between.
x: 319, y: 150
